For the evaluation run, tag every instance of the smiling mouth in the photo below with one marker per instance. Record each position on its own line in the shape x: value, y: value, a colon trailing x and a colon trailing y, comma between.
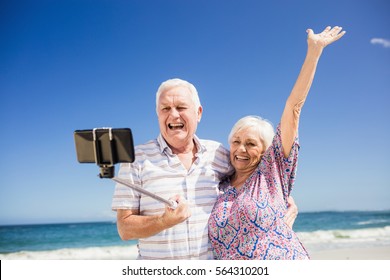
x: 175, y: 126
x: 241, y: 158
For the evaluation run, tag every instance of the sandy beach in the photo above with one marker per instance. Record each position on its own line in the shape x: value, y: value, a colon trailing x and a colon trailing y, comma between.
x: 130, y: 253
x: 371, y: 253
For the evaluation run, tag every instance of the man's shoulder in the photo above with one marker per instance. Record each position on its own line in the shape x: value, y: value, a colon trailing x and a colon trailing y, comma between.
x: 212, y: 145
x: 217, y: 155
x: 149, y: 147
x: 148, y: 144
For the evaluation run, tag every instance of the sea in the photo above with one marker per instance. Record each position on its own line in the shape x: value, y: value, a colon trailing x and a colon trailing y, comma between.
x: 100, y: 240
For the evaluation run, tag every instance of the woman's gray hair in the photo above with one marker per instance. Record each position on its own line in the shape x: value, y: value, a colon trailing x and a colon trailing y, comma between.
x: 264, y: 128
x: 171, y: 83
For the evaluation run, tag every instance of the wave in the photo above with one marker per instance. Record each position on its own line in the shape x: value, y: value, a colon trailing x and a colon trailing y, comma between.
x: 355, y: 235
x: 91, y: 253
x: 375, y: 221
x: 335, y: 239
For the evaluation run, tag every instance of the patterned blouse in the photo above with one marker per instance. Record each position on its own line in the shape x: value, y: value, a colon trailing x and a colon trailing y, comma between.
x: 247, y: 223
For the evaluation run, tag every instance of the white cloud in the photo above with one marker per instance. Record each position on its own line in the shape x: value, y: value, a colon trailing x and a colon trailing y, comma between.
x: 380, y: 41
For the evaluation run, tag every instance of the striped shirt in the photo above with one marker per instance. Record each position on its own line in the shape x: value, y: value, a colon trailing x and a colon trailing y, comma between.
x: 159, y: 171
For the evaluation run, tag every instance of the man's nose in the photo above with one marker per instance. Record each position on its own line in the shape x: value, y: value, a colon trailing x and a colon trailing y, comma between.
x: 174, y: 113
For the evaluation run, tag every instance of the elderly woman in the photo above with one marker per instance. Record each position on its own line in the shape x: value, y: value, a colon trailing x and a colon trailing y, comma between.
x: 247, y: 219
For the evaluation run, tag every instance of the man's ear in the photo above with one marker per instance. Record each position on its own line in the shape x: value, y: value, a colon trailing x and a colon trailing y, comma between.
x: 200, y: 111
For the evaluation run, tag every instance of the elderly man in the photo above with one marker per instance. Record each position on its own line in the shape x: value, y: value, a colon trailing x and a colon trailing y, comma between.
x: 176, y: 165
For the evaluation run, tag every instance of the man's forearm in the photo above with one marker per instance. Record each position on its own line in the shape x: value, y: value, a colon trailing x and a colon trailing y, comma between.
x: 132, y: 226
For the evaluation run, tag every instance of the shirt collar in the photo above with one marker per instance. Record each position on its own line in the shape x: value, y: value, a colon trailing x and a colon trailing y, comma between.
x: 165, y: 148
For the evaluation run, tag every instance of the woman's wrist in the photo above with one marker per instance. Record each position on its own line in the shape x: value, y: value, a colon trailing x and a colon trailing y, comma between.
x: 314, y: 52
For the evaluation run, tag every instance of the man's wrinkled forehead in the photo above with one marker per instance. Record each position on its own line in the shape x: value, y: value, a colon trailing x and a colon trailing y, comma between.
x: 179, y: 95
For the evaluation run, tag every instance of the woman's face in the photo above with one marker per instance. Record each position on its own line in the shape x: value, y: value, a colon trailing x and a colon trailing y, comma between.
x: 246, y: 150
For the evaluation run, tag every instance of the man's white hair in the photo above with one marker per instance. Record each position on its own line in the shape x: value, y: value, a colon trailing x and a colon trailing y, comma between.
x: 171, y: 83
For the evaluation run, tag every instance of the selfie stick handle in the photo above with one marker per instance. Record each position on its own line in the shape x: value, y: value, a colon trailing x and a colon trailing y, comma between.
x: 172, y: 204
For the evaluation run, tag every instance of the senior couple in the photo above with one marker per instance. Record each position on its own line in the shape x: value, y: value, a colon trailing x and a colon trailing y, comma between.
x: 231, y: 205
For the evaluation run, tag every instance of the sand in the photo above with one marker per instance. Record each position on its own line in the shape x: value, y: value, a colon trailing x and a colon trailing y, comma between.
x: 371, y: 253
x: 130, y: 253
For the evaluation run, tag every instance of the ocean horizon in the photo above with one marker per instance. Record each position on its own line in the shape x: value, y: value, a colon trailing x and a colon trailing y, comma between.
x: 100, y: 240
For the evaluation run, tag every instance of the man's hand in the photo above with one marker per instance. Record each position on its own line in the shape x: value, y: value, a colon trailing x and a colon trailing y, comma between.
x: 292, y: 212
x: 173, y: 217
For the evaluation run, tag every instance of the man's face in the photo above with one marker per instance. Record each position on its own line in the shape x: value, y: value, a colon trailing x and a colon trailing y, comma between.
x: 177, y: 116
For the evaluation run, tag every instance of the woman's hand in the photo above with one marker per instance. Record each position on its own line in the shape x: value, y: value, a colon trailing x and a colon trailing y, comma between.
x: 292, y: 212
x: 328, y: 36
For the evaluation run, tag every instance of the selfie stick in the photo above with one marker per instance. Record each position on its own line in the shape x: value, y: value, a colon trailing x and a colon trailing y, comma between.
x: 107, y: 170
x: 171, y: 203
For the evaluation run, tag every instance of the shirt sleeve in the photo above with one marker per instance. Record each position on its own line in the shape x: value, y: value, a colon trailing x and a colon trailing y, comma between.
x: 222, y: 163
x: 278, y: 165
x: 125, y: 197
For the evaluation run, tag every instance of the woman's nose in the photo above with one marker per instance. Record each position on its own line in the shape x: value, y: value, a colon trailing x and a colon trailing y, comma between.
x: 242, y: 148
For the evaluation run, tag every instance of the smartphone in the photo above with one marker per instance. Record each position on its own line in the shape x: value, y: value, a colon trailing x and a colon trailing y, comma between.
x: 104, y: 146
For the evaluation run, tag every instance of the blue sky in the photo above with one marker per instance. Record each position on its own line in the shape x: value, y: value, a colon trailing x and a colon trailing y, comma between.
x: 68, y: 65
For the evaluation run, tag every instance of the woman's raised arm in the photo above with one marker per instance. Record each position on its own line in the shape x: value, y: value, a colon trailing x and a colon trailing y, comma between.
x: 290, y: 118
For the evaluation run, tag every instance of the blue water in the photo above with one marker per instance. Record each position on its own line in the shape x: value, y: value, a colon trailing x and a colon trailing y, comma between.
x: 350, y: 220
x: 58, y: 236
x: 102, y: 234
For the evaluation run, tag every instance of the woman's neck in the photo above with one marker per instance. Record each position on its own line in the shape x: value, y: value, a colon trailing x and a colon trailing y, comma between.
x: 238, y: 179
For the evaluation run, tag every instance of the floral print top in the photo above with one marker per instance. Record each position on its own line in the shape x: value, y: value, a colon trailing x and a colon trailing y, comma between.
x: 247, y: 223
